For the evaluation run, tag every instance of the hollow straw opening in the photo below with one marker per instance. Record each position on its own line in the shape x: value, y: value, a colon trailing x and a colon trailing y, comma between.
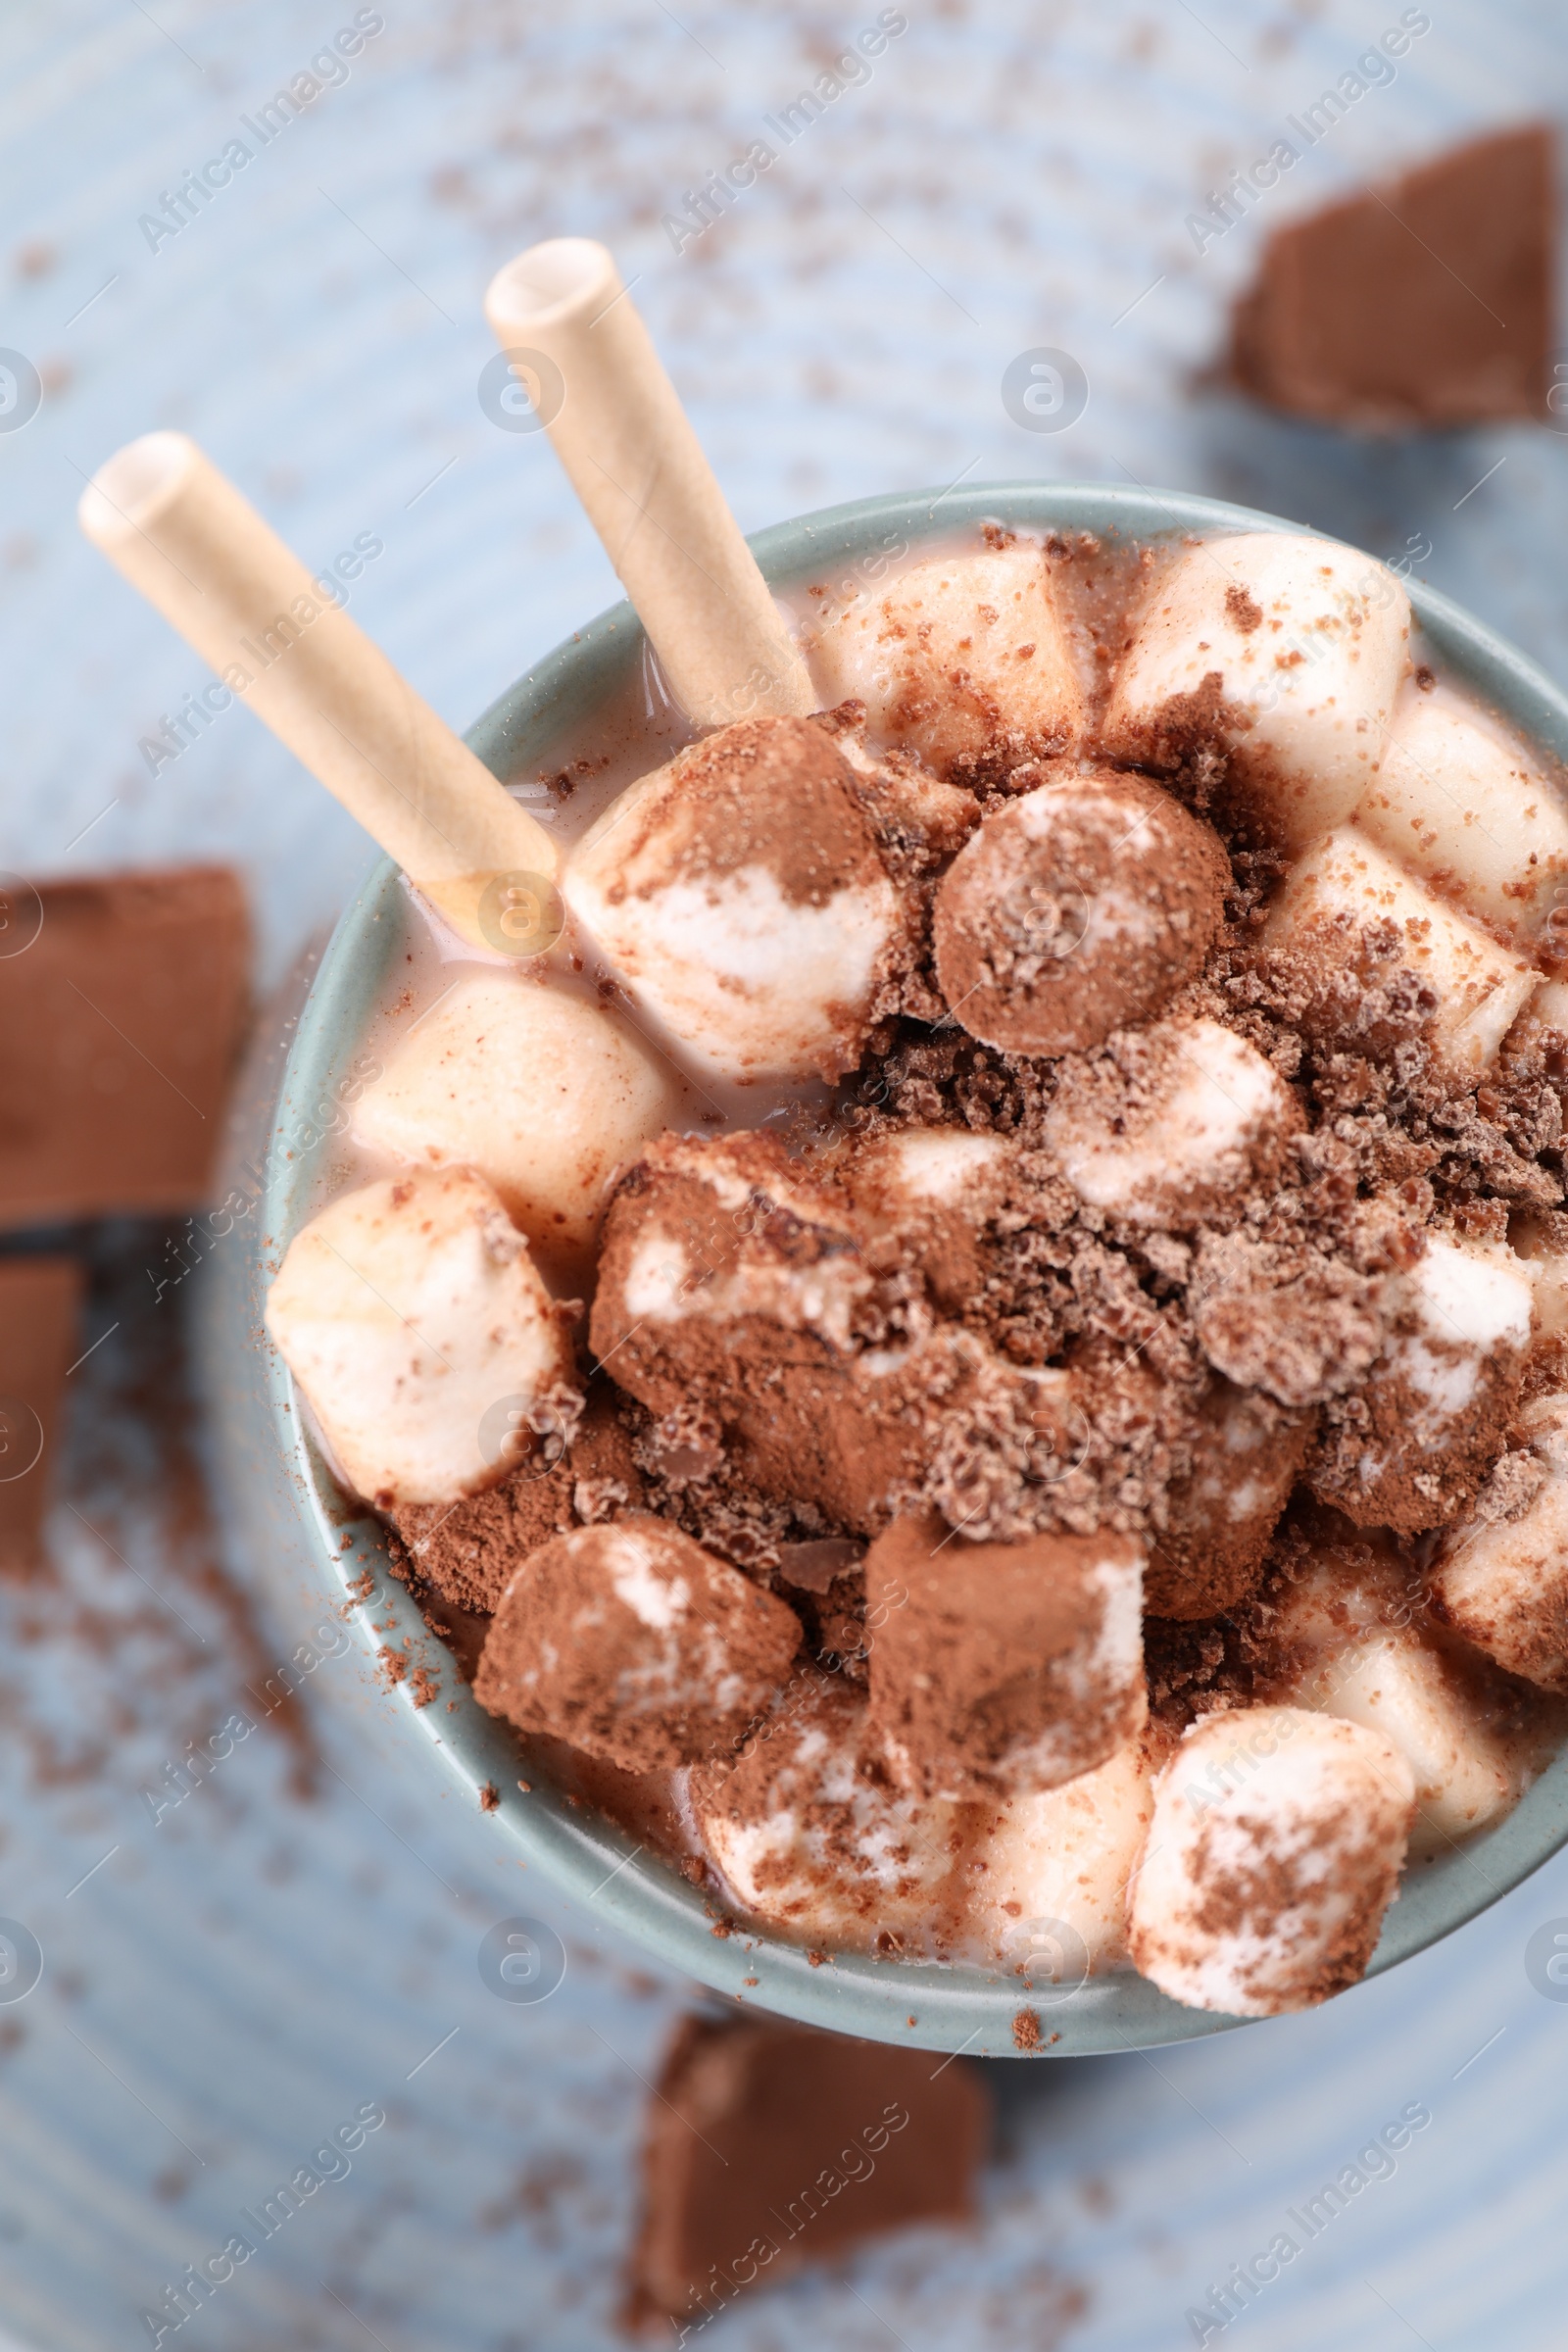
x: 550, y: 282
x: 135, y: 484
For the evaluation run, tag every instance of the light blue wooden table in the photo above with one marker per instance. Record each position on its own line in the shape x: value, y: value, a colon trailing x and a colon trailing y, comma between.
x: 228, y: 1983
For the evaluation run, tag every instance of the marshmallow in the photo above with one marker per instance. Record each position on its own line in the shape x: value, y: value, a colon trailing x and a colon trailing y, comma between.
x: 1352, y: 1637
x: 1005, y: 1667
x: 732, y: 1278
x: 1547, y: 1009
x: 937, y: 1190
x: 916, y: 814
x: 1275, y: 1849
x: 1348, y: 907
x: 741, y: 895
x: 912, y: 1172
x: 412, y: 1318
x: 559, y: 1476
x: 808, y: 1831
x: 1077, y: 908
x: 1532, y: 1237
x: 1246, y: 1454
x: 964, y: 661
x: 1502, y: 1578
x: 1059, y: 1858
x: 1461, y: 804
x: 635, y: 1645
x: 545, y: 1094
x: 1172, y: 1124
x: 1438, y: 1401
x: 1278, y: 654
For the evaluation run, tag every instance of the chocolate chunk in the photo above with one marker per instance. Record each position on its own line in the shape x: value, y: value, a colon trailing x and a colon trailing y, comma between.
x: 120, y: 1025
x: 1426, y: 302
x: 633, y: 1644
x: 1003, y: 1666
x: 769, y: 2146
x: 39, y: 1299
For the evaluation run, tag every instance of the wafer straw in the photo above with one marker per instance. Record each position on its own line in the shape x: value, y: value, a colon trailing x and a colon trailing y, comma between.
x: 278, y: 638
x: 573, y: 339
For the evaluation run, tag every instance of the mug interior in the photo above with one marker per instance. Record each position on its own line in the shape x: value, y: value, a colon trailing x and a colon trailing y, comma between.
x: 939, y: 2008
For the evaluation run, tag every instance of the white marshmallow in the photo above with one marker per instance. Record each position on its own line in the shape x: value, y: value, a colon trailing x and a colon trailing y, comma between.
x: 1502, y: 1582
x: 412, y: 1318
x: 1276, y: 1846
x: 728, y: 1270
x: 1306, y: 644
x: 906, y: 801
x: 1548, y: 1267
x: 915, y: 1170
x: 1460, y: 804
x: 1200, y: 1106
x: 1347, y: 884
x: 964, y: 661
x: 546, y: 1094
x: 1547, y: 1009
x: 1358, y: 1644
x: 1438, y: 1396
x: 1463, y: 1303
x: 805, y: 1837
x: 754, y: 979
x: 1063, y: 1856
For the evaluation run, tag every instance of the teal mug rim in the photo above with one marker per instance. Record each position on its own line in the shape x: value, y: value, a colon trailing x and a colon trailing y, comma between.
x: 593, y: 1861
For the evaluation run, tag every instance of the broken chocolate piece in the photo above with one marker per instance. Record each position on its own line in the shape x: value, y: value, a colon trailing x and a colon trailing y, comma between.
x: 120, y: 1026
x: 1425, y: 302
x: 769, y: 2146
x: 40, y: 1300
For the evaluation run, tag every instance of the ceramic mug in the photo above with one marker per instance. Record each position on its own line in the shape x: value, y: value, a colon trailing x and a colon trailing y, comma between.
x: 297, y: 1528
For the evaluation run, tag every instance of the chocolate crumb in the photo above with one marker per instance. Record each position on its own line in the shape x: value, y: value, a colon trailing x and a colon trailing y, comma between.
x: 1244, y: 609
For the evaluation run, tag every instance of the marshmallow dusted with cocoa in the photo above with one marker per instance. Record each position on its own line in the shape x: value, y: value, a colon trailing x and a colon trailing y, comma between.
x: 920, y: 818
x: 412, y: 1318
x: 810, y: 1832
x: 741, y: 895
x: 1501, y: 1578
x: 1267, y: 663
x: 560, y: 1476
x: 1076, y: 909
x: 1275, y: 1849
x: 1434, y: 1412
x: 733, y: 1277
x: 1243, y: 1455
x: 1060, y: 1858
x: 545, y: 1094
x: 937, y: 1190
x: 1462, y: 805
x: 635, y: 1645
x: 1349, y: 1635
x: 964, y: 661
x: 1005, y: 1667
x: 1352, y: 915
x: 1170, y: 1123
